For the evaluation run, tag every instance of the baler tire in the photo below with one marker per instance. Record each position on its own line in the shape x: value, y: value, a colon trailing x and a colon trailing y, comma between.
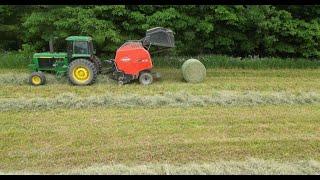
x: 120, y: 83
x: 41, y: 80
x: 145, y: 78
x: 86, y: 65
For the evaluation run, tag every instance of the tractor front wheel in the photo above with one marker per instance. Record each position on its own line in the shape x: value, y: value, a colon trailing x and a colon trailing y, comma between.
x: 145, y: 78
x: 82, y: 72
x: 37, y: 78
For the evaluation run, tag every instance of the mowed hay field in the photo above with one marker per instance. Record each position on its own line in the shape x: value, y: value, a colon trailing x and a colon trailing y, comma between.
x: 235, y: 122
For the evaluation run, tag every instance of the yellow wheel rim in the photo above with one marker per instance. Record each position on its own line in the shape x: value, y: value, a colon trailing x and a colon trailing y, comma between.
x: 80, y: 74
x: 36, y: 80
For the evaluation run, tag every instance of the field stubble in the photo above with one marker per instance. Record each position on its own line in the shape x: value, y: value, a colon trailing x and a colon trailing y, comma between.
x: 211, y: 127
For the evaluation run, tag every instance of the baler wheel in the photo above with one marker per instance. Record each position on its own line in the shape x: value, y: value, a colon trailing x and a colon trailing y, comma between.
x: 37, y: 78
x: 82, y: 72
x: 145, y: 78
x: 120, y: 83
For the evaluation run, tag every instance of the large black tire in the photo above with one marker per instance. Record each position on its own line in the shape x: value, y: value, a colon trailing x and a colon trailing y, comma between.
x: 98, y: 64
x: 37, y: 78
x: 145, y: 78
x: 82, y: 72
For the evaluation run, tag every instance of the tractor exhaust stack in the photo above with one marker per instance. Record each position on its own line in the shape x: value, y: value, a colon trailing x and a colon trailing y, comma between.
x: 51, y: 46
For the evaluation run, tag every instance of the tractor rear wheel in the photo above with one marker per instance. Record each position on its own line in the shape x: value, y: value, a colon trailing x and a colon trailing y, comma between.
x: 82, y: 72
x: 145, y: 78
x: 37, y: 78
x: 98, y: 64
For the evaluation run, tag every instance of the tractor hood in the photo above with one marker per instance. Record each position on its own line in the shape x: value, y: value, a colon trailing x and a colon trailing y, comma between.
x: 49, y: 55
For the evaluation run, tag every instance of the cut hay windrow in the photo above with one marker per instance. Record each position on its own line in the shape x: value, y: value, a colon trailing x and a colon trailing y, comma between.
x: 250, y: 166
x: 223, y: 98
x: 22, y: 79
x: 193, y: 71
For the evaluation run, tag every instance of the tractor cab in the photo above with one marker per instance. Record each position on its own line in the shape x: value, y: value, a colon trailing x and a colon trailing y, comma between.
x: 79, y: 46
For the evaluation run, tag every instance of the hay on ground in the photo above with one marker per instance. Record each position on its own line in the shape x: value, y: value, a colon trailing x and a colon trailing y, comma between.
x: 193, y: 71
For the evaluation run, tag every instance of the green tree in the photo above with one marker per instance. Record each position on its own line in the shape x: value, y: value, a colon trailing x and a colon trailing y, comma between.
x: 237, y: 30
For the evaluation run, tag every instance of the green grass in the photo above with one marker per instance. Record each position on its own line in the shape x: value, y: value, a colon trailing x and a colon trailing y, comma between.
x: 57, y: 140
x: 237, y: 121
x: 20, y: 60
x: 14, y: 84
x: 14, y: 60
x: 227, y: 62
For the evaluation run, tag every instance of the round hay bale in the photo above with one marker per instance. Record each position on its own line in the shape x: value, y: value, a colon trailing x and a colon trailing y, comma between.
x: 193, y: 71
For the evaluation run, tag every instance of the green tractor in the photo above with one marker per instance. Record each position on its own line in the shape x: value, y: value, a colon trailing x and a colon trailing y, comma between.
x: 79, y: 63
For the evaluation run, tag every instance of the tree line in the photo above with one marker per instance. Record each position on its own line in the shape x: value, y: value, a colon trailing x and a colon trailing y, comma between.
x: 236, y: 30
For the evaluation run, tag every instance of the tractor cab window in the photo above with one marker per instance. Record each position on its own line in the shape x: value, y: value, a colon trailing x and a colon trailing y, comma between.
x: 91, y: 46
x: 69, y: 48
x: 81, y: 47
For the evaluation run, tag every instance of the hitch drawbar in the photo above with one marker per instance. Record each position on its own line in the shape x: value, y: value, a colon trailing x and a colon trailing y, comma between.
x: 156, y: 75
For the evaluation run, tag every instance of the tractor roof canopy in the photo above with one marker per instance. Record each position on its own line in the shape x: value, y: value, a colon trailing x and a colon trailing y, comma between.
x: 79, y: 38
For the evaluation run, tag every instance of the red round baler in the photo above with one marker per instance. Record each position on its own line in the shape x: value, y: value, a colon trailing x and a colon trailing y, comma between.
x: 133, y: 60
